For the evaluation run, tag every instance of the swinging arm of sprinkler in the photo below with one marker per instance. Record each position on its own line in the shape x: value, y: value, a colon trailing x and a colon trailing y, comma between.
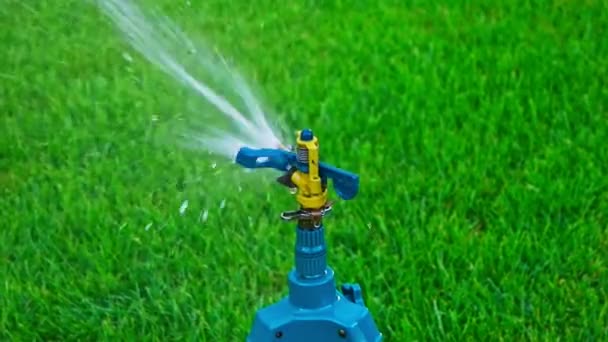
x: 346, y: 184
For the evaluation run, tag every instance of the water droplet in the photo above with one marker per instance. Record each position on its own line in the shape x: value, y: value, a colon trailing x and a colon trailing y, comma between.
x: 183, y: 207
x: 204, y: 215
x: 223, y: 204
x: 148, y: 226
x: 127, y: 57
x: 214, y: 165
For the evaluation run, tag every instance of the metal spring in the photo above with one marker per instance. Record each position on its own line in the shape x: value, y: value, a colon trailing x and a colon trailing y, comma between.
x: 302, y: 155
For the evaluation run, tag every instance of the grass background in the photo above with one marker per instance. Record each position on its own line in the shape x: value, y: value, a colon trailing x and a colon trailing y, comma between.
x: 479, y: 131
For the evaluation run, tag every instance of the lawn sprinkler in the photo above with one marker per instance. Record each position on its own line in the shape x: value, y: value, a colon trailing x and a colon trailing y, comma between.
x: 314, y: 310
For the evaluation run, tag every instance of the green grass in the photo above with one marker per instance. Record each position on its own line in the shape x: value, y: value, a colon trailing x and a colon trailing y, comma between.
x: 479, y: 131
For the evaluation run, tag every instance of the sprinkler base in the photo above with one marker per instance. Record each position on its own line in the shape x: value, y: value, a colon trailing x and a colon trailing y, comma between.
x: 315, y: 311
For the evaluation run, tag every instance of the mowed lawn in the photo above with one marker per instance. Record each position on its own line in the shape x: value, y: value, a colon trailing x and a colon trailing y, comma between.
x: 479, y: 131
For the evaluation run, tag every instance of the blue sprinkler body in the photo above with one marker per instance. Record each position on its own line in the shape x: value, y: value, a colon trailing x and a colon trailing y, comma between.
x: 314, y: 310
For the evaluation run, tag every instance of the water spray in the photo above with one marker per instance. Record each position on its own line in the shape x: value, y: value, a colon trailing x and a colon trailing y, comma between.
x: 161, y: 42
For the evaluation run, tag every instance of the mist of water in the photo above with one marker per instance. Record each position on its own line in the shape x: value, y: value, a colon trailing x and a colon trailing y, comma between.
x: 160, y: 41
